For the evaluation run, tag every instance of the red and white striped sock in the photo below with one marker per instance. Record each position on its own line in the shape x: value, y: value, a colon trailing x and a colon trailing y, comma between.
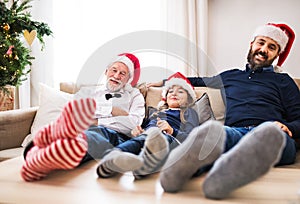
x: 76, y: 116
x: 61, y: 154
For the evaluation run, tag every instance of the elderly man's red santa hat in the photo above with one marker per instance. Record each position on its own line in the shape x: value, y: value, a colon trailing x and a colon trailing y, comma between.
x: 282, y: 34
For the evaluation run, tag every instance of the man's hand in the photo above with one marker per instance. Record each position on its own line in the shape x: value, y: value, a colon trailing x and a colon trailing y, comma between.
x: 284, y: 128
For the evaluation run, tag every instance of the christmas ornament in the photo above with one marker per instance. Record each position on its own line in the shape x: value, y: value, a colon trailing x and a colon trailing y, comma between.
x: 6, y: 27
x: 29, y: 37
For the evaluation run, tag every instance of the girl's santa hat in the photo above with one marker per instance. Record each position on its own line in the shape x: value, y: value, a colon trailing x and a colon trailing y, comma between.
x: 177, y: 79
x: 282, y: 34
x: 133, y: 64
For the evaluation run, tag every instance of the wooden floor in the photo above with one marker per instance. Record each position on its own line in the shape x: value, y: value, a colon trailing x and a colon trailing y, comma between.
x: 280, y: 185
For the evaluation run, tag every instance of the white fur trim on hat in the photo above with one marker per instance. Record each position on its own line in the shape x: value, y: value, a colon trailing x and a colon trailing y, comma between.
x: 183, y: 84
x: 125, y: 60
x: 274, y: 33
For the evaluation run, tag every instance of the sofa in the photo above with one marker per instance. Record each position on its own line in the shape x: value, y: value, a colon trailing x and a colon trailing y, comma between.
x: 16, y: 125
x: 82, y: 185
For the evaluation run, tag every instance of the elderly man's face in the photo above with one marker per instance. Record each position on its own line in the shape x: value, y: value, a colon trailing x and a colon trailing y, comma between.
x: 117, y: 76
x: 263, y: 52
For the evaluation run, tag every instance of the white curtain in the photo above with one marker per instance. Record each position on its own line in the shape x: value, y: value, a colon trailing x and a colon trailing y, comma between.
x: 42, y: 65
x: 189, y: 18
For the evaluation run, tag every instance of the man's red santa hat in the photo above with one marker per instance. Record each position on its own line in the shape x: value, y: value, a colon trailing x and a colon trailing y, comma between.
x: 133, y: 64
x: 177, y: 79
x: 282, y: 34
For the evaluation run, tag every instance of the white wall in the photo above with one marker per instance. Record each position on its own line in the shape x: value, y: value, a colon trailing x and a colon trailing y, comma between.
x: 231, y: 24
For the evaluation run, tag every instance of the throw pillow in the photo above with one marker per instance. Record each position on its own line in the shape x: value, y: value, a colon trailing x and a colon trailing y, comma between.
x: 203, y: 108
x: 51, y: 103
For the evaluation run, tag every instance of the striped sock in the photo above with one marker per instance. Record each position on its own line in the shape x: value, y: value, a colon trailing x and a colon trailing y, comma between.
x: 118, y: 162
x: 155, y: 151
x: 76, y: 116
x: 61, y: 154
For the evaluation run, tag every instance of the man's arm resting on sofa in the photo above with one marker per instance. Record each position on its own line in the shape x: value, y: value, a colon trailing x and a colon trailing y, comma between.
x: 15, y: 125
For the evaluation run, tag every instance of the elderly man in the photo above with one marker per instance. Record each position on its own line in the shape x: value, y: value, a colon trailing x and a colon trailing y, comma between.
x: 72, y: 139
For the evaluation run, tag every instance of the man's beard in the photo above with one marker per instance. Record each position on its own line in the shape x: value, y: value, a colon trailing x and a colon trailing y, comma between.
x: 253, y: 64
x: 114, y: 88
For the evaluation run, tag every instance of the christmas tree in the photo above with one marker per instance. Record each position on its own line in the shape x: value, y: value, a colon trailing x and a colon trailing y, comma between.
x: 14, y: 55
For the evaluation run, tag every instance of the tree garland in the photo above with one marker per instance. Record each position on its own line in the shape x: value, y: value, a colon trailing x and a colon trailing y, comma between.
x: 14, y: 56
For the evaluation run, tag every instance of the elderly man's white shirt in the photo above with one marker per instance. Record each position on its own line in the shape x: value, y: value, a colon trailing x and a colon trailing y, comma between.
x: 131, y: 100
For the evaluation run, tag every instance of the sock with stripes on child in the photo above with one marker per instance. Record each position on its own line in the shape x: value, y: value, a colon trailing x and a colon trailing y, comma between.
x: 56, y: 148
x: 76, y: 116
x: 156, y: 149
x: 116, y: 162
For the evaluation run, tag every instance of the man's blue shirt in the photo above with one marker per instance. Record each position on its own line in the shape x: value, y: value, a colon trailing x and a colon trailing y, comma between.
x: 253, y: 97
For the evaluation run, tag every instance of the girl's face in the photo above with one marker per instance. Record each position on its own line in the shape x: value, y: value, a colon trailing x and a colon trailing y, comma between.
x: 177, y: 97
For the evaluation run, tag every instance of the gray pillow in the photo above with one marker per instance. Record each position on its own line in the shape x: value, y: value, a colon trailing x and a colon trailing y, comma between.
x: 203, y: 108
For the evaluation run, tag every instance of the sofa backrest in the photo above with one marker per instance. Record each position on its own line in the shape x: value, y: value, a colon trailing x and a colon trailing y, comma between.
x: 152, y: 96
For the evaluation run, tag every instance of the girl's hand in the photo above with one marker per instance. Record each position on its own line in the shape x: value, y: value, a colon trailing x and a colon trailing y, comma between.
x: 284, y: 128
x: 163, y: 125
x: 137, y: 131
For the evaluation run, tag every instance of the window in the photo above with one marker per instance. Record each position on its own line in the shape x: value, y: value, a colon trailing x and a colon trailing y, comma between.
x: 82, y: 26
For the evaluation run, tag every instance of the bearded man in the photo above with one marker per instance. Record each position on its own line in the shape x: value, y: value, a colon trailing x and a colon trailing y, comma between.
x: 261, y: 122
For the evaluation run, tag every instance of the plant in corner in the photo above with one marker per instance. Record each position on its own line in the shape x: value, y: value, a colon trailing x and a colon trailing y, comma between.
x: 15, y: 24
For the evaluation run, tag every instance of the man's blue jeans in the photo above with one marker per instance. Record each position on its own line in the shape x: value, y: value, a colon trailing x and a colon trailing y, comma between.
x: 233, y: 136
x: 101, y: 139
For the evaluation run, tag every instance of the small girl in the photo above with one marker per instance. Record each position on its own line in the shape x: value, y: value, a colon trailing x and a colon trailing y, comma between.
x: 164, y: 130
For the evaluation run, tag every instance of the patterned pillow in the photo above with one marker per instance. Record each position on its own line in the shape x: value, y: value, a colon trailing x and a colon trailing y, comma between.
x: 203, y: 108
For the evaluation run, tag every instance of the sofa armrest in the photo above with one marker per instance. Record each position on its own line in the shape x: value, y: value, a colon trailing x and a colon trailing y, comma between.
x: 15, y: 126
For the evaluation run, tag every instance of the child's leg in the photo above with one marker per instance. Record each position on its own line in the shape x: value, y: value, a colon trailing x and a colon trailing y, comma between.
x: 60, y: 154
x: 118, y: 161
x: 155, y: 150
x: 76, y: 116
x: 122, y: 158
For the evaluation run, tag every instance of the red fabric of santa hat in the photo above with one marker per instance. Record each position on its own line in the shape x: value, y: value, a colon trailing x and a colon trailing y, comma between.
x: 177, y: 79
x: 282, y: 34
